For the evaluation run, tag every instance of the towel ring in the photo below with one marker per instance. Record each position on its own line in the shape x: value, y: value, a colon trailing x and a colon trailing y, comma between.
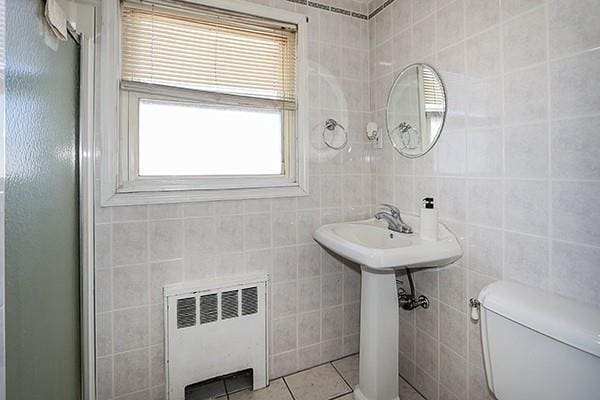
x: 330, y: 125
x: 406, y: 132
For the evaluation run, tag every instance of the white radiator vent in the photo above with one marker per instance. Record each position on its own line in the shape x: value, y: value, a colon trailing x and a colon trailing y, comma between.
x: 229, y: 304
x: 186, y: 312
x: 201, y: 317
x: 250, y: 301
x: 209, y: 308
x: 230, y: 307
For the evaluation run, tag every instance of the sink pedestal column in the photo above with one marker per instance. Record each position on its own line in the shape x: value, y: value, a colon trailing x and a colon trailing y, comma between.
x: 378, y: 371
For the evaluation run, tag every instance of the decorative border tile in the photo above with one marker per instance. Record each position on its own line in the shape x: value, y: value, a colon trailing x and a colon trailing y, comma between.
x: 341, y: 11
x: 326, y: 7
x: 318, y: 5
x: 380, y: 8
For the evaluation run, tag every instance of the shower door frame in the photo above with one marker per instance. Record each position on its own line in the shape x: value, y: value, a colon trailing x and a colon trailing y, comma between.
x: 86, y: 214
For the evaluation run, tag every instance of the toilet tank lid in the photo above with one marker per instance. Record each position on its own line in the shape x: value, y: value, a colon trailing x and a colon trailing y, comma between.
x: 563, y: 319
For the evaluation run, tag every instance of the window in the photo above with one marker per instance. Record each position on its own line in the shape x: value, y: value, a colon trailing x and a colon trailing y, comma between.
x: 210, y: 101
x: 254, y: 145
x: 434, y: 103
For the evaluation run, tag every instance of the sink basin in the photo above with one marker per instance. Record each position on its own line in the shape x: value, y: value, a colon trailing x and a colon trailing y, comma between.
x: 367, y: 235
x: 379, y: 251
x: 370, y: 243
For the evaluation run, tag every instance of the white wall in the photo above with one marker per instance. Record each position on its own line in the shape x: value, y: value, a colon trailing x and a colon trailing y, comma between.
x: 315, y: 297
x: 516, y: 172
x: 515, y: 175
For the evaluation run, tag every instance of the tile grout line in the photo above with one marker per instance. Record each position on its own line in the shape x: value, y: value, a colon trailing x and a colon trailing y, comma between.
x: 316, y: 365
x: 343, y: 378
x: 148, y: 295
x: 436, y: 167
x: 226, y: 389
x: 414, y: 191
x: 413, y: 388
x: 288, y: 387
x: 549, y: 174
x: 339, y: 396
x: 227, y: 393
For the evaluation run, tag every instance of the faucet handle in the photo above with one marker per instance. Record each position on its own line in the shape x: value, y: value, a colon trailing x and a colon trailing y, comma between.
x: 395, y: 211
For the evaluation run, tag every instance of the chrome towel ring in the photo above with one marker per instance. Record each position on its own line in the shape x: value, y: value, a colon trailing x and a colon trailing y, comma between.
x: 409, y: 137
x: 330, y: 126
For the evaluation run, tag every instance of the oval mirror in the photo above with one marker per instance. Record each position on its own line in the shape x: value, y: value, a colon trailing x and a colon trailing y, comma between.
x: 416, y: 110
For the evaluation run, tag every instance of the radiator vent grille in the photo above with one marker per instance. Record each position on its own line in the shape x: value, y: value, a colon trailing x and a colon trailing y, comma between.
x: 208, y: 308
x: 250, y: 300
x: 215, y: 327
x: 186, y: 312
x: 229, y: 304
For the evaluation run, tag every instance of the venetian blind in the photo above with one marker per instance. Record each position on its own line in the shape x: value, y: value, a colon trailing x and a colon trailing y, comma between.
x: 203, y: 48
x: 433, y: 91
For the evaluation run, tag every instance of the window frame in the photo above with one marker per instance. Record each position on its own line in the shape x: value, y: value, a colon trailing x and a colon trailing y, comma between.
x: 120, y: 183
x: 132, y: 93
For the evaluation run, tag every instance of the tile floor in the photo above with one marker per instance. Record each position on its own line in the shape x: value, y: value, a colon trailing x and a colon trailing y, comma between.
x: 333, y: 380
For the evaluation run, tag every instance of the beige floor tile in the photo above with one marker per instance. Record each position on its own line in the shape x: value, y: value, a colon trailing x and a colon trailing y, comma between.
x: 277, y: 390
x: 407, y: 392
x: 319, y: 383
x: 348, y: 367
x: 349, y: 396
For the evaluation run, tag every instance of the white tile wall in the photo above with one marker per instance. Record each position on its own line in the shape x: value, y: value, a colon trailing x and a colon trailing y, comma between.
x: 515, y: 173
x: 314, y: 295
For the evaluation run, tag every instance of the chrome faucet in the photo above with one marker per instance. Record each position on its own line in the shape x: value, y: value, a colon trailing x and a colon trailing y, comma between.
x: 394, y: 220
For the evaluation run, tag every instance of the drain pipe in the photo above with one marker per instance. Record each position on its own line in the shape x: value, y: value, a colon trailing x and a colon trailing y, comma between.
x: 408, y: 301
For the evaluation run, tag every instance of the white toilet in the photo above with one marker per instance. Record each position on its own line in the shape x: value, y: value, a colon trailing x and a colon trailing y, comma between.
x: 538, y: 345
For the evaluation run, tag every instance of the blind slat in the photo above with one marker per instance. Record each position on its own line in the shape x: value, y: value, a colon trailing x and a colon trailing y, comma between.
x: 432, y: 89
x: 157, y: 52
x: 208, y: 50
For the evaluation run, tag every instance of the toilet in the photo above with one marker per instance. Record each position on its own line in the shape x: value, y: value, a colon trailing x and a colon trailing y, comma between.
x: 539, y: 345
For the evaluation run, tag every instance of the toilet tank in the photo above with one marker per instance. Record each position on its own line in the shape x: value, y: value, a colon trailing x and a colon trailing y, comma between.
x: 538, y: 345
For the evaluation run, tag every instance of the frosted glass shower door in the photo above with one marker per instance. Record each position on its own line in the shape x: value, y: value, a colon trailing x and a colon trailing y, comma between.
x: 42, y: 209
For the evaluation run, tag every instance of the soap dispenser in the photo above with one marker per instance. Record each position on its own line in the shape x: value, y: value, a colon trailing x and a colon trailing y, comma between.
x: 428, y: 221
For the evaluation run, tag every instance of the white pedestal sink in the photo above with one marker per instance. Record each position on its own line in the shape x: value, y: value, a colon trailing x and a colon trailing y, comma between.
x: 379, y: 251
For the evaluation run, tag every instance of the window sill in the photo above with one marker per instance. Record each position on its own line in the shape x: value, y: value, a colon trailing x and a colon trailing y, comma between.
x: 187, y: 196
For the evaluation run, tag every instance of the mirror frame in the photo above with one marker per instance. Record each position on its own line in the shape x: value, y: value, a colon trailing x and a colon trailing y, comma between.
x: 437, y: 137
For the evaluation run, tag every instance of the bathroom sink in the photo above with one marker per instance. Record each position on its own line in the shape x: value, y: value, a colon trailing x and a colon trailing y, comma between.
x: 380, y: 251
x: 371, y: 243
x: 370, y: 235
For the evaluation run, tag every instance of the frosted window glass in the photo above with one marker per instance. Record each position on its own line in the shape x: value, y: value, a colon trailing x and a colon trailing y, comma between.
x: 195, y: 139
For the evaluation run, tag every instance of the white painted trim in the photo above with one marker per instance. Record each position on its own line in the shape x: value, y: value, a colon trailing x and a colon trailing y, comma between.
x: 187, y: 196
x: 107, y: 70
x: 239, y: 6
x: 130, y: 179
x: 176, y: 289
x: 183, y: 94
x: 302, y: 104
x: 117, y: 189
x: 86, y: 215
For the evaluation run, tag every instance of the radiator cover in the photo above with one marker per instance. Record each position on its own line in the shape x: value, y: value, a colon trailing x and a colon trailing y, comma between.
x: 215, y: 327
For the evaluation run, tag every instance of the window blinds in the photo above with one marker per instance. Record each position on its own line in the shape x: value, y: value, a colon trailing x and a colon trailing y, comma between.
x: 196, y: 47
x: 432, y: 91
